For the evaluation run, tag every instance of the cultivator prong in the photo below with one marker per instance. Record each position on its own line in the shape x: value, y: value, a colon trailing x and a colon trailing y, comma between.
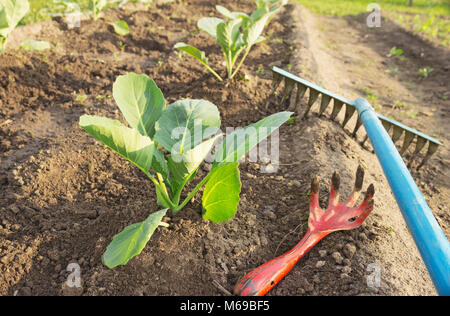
x: 334, y: 192
x: 357, y: 189
x: 299, y: 86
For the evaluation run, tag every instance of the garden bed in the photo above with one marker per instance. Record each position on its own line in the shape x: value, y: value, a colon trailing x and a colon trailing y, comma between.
x: 63, y: 196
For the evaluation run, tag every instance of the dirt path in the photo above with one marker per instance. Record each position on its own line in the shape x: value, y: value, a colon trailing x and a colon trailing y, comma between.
x: 350, y: 58
x: 63, y: 197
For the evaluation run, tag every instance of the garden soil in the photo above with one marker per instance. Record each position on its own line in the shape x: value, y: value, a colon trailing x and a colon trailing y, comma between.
x: 64, y: 196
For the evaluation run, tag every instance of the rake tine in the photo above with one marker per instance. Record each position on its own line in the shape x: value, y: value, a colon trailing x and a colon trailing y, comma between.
x: 431, y: 150
x: 288, y: 86
x: 421, y: 142
x: 365, y: 140
x: 301, y: 89
x: 276, y: 82
x: 357, y: 189
x: 409, y: 137
x: 397, y: 133
x: 357, y: 126
x: 324, y: 103
x: 387, y: 125
x: 349, y: 110
x: 313, y: 95
x: 337, y: 106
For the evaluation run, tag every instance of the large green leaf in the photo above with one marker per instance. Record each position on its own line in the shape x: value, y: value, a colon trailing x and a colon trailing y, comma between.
x: 3, y: 19
x: 130, y: 242
x: 126, y: 141
x: 241, y: 141
x: 228, y: 34
x: 159, y: 163
x: 140, y: 100
x: 228, y: 14
x: 209, y: 25
x: 183, y: 165
x: 121, y: 28
x: 185, y: 124
x: 194, y: 52
x: 253, y: 32
x: 14, y: 11
x: 221, y: 193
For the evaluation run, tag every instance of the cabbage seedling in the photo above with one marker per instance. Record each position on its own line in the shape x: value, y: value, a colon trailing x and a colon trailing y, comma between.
x: 96, y: 7
x: 11, y: 12
x: 236, y: 36
x: 121, y: 28
x: 168, y: 144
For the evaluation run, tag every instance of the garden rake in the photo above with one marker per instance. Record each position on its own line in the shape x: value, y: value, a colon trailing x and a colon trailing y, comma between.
x: 398, y: 129
x: 338, y: 216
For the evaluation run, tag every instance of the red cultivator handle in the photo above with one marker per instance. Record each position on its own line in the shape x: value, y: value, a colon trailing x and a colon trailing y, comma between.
x: 338, y: 216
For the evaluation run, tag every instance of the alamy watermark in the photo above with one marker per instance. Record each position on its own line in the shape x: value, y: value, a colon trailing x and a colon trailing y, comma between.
x: 74, y: 278
x: 374, y: 18
x: 374, y: 277
x: 258, y: 144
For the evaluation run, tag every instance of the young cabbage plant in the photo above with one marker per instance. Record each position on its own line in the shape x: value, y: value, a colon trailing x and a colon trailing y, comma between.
x: 236, y: 35
x: 96, y: 7
x: 11, y: 12
x: 168, y: 144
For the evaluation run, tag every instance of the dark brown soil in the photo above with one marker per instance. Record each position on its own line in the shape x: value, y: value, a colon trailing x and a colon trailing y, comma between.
x: 63, y: 196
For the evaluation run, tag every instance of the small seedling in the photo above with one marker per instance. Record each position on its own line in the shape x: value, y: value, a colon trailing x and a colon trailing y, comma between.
x: 412, y: 113
x: 96, y: 7
x: 370, y: 95
x: 235, y: 36
x: 81, y: 98
x: 261, y: 71
x: 392, y: 70
x: 11, y: 12
x: 122, y: 46
x: 278, y: 40
x: 425, y: 72
x: 121, y: 28
x: 293, y: 120
x: 168, y: 144
x: 395, y: 52
x: 399, y: 104
x: 160, y: 62
x: 180, y: 54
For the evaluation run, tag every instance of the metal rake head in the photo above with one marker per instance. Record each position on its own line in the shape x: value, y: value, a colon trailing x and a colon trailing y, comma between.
x: 339, y: 215
x: 398, y: 129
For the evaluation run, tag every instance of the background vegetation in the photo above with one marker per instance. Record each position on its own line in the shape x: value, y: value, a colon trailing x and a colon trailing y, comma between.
x: 430, y: 19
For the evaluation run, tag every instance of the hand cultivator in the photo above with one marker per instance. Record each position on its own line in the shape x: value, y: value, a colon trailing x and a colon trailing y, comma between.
x: 338, y: 216
x: 398, y: 129
x: 428, y: 235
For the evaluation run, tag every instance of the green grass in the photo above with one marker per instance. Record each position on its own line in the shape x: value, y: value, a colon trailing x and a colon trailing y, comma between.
x: 347, y: 7
x: 430, y: 19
